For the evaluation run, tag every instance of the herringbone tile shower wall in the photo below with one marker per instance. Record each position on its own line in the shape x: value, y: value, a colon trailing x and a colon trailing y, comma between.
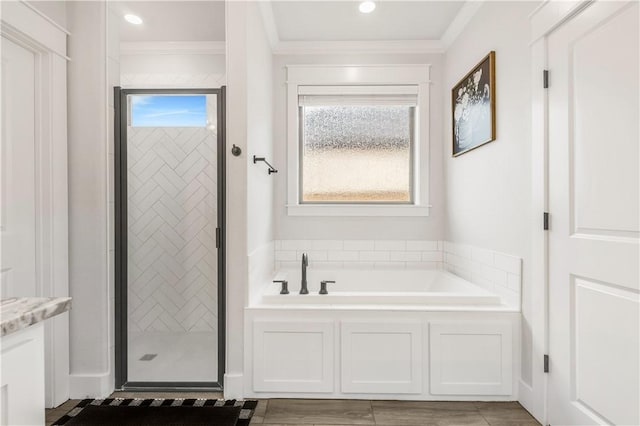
x: 172, y: 220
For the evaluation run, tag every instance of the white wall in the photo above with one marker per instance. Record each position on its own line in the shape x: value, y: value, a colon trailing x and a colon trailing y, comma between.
x: 489, y: 189
x: 259, y: 132
x: 176, y: 63
x: 344, y: 228
x: 91, y: 73
x: 249, y: 188
x: 141, y: 70
x: 236, y: 232
x: 260, y: 185
x: 52, y: 9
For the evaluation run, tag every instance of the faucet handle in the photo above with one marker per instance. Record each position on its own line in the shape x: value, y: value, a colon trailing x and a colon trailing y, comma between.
x: 323, y: 286
x: 285, y: 286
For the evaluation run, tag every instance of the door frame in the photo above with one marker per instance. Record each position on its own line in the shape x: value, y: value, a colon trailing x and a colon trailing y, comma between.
x: 121, y: 282
x: 29, y: 28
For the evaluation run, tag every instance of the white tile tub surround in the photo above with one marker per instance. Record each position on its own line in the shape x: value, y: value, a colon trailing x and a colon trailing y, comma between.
x: 495, y: 271
x: 261, y: 263
x: 360, y: 254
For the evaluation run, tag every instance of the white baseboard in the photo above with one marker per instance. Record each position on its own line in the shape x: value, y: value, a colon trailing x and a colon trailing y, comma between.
x: 90, y: 385
x: 233, y: 386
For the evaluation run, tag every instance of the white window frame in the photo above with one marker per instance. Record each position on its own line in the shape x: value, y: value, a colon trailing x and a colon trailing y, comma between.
x: 359, y: 75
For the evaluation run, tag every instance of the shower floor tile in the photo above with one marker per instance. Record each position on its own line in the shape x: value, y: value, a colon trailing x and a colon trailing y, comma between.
x: 179, y: 357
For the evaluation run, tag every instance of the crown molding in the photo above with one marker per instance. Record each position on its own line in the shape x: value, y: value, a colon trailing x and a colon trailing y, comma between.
x: 355, y: 47
x: 459, y: 23
x: 173, y: 48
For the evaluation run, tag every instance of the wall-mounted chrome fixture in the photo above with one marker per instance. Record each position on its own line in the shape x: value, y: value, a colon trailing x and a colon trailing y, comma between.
x: 236, y: 151
x: 271, y: 168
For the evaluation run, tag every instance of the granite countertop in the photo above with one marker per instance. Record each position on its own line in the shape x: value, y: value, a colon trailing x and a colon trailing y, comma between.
x: 17, y: 313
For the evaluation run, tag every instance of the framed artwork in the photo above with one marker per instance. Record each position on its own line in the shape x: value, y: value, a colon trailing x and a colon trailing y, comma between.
x: 473, y: 107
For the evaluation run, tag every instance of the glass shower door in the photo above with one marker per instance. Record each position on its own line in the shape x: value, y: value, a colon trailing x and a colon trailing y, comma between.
x: 173, y: 332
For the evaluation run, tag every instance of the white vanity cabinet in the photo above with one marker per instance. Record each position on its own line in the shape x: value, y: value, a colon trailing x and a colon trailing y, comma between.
x: 22, y: 377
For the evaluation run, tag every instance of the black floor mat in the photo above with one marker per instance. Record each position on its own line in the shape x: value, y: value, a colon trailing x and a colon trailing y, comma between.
x: 159, y: 412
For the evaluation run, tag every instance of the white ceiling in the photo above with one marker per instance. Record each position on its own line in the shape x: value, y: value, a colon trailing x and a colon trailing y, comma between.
x: 296, y: 21
x: 341, y: 20
x: 173, y: 21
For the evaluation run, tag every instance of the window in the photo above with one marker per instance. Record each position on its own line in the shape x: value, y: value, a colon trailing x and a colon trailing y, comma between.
x: 357, y: 148
x: 357, y: 140
x: 168, y: 111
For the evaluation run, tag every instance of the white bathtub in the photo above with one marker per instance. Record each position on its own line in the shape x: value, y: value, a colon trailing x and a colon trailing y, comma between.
x: 382, y: 334
x: 380, y: 287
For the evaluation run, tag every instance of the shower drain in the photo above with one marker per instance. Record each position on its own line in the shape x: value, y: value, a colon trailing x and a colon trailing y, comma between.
x: 148, y: 357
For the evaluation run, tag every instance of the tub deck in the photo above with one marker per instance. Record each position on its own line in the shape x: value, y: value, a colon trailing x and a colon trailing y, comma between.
x: 381, y: 288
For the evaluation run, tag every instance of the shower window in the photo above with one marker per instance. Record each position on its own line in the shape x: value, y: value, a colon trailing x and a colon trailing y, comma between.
x: 168, y: 111
x: 357, y: 149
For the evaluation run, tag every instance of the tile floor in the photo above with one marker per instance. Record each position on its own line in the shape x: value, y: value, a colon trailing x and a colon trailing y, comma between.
x: 53, y: 414
x: 297, y: 412
x: 293, y: 412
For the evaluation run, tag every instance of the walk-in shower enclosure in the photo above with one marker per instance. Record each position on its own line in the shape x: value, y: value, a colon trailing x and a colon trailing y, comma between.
x: 169, y: 232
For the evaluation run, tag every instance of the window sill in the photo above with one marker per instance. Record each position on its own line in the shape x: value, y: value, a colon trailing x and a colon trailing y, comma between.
x: 357, y: 210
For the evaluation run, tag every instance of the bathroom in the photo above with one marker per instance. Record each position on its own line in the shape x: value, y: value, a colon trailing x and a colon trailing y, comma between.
x: 449, y: 279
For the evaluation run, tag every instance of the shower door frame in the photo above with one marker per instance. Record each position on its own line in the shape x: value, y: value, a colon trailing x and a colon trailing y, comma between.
x: 120, y: 231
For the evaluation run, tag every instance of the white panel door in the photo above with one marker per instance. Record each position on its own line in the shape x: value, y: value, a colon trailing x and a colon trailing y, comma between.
x: 593, y: 201
x: 18, y: 202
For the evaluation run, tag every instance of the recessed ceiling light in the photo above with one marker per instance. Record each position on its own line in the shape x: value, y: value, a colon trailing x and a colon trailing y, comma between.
x: 367, y: 6
x: 133, y: 19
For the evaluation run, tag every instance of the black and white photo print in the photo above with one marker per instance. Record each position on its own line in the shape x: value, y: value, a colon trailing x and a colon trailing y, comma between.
x: 473, y: 107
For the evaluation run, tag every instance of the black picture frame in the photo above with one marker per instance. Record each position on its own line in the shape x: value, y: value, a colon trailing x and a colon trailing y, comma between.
x: 473, y: 107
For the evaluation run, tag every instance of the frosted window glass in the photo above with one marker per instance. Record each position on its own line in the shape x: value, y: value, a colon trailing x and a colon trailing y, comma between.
x: 356, y: 154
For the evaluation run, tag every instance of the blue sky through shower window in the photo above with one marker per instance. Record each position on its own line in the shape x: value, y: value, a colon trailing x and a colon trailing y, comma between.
x: 168, y: 111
